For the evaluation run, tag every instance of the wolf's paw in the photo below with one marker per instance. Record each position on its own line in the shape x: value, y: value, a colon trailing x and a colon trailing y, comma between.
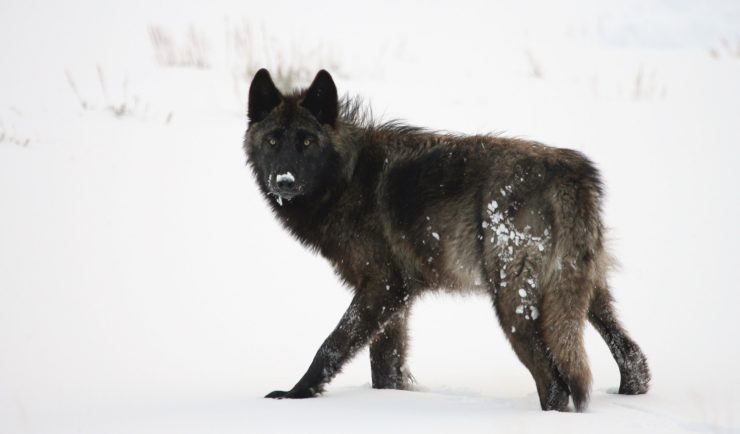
x: 636, y: 375
x: 633, y: 386
x: 292, y: 394
x: 277, y: 394
x: 400, y: 380
x: 556, y: 399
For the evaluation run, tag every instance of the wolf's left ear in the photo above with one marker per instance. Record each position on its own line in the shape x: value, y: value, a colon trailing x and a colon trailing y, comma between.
x: 321, y: 98
x: 263, y: 96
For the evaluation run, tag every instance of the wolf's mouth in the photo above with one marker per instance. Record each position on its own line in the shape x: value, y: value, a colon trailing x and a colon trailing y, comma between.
x: 279, y: 196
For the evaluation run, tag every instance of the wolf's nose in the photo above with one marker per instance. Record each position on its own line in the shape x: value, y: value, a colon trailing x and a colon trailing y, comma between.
x: 285, y: 184
x: 285, y: 181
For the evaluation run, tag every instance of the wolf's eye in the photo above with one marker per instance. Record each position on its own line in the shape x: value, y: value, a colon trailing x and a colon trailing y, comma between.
x: 307, y: 142
x: 272, y: 141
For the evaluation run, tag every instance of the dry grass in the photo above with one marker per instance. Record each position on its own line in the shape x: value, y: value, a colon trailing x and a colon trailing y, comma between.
x: 8, y: 137
x: 190, y: 51
x: 123, y: 104
x: 73, y: 85
x: 8, y: 133
x: 646, y: 85
x: 535, y: 67
x: 727, y: 48
x: 249, y: 49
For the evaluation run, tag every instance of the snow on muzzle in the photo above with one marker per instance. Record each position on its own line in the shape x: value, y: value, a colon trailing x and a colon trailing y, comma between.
x: 283, y: 186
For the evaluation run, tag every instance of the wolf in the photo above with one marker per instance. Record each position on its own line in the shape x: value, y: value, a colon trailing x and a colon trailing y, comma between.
x: 400, y: 210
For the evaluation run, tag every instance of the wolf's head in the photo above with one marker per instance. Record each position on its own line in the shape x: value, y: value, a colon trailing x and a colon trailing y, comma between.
x: 291, y: 139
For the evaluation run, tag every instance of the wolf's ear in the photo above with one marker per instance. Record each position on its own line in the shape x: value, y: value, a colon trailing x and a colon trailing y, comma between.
x: 321, y: 98
x: 263, y: 96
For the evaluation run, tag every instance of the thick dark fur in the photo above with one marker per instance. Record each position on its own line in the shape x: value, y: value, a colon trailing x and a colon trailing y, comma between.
x: 399, y: 210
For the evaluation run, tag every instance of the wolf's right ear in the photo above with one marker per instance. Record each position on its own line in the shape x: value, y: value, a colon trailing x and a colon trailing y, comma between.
x: 263, y: 96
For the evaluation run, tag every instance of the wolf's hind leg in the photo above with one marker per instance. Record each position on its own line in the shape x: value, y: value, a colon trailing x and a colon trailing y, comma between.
x: 633, y: 367
x: 521, y: 324
x: 388, y: 355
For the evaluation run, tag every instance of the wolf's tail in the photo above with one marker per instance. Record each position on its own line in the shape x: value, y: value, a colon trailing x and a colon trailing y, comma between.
x: 577, y: 265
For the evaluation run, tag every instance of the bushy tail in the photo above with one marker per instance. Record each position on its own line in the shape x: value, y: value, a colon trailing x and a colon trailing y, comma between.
x: 577, y: 266
x: 563, y: 323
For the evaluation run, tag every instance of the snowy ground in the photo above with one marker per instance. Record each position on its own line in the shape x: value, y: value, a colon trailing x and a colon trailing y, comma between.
x: 143, y: 286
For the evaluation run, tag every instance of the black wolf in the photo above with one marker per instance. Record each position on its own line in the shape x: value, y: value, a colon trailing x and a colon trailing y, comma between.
x: 399, y: 210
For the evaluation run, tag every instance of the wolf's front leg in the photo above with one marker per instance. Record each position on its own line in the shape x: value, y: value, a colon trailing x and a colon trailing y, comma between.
x: 388, y: 354
x: 368, y: 313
